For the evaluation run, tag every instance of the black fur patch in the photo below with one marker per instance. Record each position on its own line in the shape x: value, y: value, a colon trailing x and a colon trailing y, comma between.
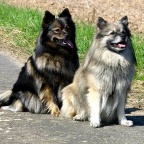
x: 50, y: 68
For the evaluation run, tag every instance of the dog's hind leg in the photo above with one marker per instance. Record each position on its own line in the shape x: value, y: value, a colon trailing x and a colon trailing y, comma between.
x: 82, y: 109
x: 16, y: 106
x: 73, y: 105
x: 67, y: 109
x: 81, y: 116
x: 121, y: 112
x: 5, y: 99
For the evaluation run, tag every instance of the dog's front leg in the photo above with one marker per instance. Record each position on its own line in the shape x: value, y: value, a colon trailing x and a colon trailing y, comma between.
x: 121, y: 112
x: 94, y: 101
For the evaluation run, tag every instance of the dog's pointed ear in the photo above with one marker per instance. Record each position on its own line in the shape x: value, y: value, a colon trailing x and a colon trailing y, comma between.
x: 47, y: 19
x: 101, y: 23
x: 124, y: 20
x: 65, y: 13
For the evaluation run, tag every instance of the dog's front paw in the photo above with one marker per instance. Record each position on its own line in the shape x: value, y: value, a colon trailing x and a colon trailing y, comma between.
x: 126, y: 123
x: 95, y: 124
x: 55, y: 111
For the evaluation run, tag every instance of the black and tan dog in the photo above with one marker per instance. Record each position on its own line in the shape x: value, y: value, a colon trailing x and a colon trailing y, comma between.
x: 48, y: 70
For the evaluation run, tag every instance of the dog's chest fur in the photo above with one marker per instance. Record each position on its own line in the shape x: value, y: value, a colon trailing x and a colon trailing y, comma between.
x: 53, y: 63
x: 112, y: 71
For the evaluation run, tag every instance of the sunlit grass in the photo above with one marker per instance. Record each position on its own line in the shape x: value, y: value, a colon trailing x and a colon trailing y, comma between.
x: 23, y: 24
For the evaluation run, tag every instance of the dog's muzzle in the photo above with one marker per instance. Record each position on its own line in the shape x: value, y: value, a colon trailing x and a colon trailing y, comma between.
x: 119, y: 43
x: 64, y: 42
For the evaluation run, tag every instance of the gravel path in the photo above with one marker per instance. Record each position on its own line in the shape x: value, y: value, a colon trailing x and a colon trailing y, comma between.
x: 26, y: 128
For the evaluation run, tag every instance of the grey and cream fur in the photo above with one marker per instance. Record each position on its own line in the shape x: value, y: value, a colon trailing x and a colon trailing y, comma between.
x: 101, y: 84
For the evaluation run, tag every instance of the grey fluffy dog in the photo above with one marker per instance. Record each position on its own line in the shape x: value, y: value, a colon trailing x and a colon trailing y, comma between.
x: 101, y: 84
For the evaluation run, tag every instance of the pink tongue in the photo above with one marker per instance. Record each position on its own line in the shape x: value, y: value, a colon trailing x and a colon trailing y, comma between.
x: 121, y: 45
x: 70, y: 43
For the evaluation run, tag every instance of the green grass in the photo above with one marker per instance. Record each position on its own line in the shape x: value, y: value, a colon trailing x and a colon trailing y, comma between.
x: 84, y: 36
x: 138, y: 44
x: 24, y: 25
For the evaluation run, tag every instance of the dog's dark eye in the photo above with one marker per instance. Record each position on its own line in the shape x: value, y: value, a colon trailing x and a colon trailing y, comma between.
x: 112, y: 33
x: 57, y: 31
x: 123, y: 32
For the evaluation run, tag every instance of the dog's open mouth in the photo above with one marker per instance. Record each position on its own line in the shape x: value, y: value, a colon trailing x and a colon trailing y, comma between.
x: 67, y: 42
x: 118, y: 46
x: 121, y: 45
x: 64, y: 42
x: 118, y: 43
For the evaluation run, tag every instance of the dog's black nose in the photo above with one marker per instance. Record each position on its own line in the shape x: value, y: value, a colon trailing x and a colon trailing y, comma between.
x: 124, y: 37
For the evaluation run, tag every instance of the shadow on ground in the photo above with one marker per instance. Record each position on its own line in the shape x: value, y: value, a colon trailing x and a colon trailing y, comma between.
x: 138, y: 120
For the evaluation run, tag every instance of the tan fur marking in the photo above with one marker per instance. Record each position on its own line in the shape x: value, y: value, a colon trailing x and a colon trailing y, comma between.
x: 29, y: 67
x: 47, y: 97
x: 5, y: 96
x: 41, y: 62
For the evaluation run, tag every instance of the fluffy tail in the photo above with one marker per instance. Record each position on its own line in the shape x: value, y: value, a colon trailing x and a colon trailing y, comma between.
x: 4, y: 97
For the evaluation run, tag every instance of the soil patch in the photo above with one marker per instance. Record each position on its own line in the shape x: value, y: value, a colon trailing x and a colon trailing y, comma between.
x: 89, y: 10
